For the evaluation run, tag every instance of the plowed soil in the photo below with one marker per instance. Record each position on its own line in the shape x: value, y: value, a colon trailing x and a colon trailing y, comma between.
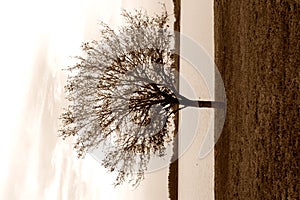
x: 257, y: 51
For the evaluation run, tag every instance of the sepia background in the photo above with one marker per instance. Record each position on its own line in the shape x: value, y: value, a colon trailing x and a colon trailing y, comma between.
x: 38, y: 39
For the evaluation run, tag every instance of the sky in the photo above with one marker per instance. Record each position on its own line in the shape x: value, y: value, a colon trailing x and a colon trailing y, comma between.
x: 37, y: 40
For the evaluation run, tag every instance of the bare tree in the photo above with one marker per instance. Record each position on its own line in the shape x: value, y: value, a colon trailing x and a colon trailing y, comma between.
x: 123, y: 95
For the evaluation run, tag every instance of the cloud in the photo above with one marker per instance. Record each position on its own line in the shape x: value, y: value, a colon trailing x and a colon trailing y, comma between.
x: 36, y: 163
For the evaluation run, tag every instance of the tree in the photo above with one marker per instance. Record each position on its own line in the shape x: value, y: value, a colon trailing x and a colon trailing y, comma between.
x: 124, y: 97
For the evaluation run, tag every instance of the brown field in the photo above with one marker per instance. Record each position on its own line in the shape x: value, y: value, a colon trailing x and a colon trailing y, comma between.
x: 257, y: 50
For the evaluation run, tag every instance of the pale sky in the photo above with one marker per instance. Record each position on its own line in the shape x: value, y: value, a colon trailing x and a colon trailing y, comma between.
x: 37, y: 40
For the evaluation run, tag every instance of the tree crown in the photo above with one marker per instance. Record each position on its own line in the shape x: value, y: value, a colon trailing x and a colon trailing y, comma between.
x: 122, y: 95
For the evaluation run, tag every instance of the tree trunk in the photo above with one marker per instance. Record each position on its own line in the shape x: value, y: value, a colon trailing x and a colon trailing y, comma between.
x: 203, y: 104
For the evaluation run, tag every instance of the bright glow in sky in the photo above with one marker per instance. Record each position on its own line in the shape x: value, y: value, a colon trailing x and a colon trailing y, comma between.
x: 37, y: 39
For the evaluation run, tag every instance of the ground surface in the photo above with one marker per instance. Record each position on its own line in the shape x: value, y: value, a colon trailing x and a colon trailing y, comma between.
x: 257, y: 48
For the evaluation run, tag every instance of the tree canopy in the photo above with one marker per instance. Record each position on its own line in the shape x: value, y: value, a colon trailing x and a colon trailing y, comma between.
x: 123, y: 97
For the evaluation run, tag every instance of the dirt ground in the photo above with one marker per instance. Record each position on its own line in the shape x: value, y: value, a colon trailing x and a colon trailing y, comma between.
x: 257, y: 50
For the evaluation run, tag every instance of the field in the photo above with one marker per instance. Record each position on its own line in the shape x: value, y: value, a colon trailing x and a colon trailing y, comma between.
x: 257, y: 51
